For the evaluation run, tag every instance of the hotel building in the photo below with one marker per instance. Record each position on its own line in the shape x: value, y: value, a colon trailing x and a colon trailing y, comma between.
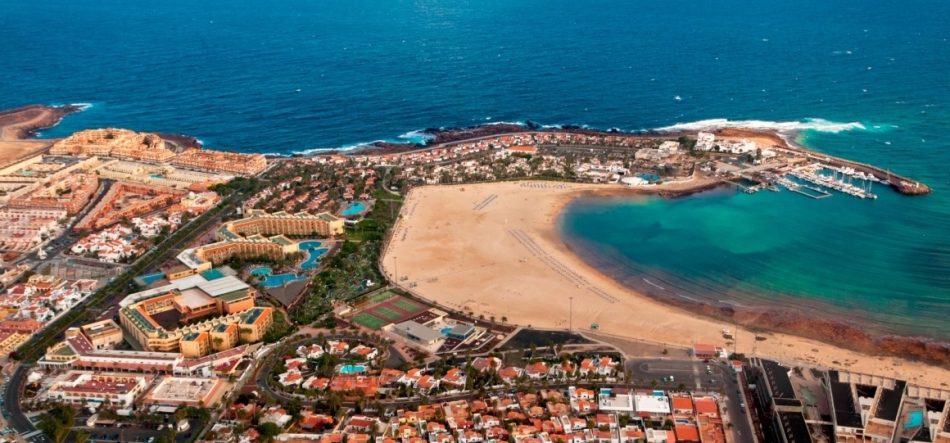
x: 118, y: 143
x: 258, y: 234
x: 217, y: 161
x: 152, y: 317
x: 98, y: 387
x: 70, y: 193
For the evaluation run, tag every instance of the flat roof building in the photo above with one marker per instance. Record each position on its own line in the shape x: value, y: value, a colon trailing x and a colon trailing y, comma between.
x: 189, y: 391
x: 417, y: 332
x: 104, y: 334
x: 98, y: 387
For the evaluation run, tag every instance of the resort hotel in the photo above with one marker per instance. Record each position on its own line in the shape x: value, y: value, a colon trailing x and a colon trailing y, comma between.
x: 217, y: 313
x: 258, y: 234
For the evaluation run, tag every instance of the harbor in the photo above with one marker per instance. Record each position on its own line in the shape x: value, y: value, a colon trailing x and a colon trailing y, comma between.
x: 815, y: 180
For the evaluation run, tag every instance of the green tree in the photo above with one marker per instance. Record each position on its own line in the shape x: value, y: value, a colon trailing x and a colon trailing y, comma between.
x: 268, y: 431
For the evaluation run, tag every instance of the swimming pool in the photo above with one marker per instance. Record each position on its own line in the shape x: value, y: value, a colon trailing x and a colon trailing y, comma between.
x: 352, y: 369
x: 212, y: 274
x: 273, y: 281
x: 916, y: 419
x: 649, y: 177
x: 310, y: 245
x: 312, y: 257
x: 445, y: 331
x: 263, y: 270
x: 353, y: 208
x: 152, y: 278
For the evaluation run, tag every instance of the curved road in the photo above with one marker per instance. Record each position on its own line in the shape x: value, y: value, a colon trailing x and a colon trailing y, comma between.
x: 11, y: 397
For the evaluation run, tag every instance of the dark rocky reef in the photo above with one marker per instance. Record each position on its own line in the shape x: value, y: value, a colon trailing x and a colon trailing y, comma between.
x: 185, y: 141
x: 838, y: 333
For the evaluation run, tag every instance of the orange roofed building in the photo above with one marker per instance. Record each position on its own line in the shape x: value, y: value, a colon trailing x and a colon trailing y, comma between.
x: 217, y: 161
x: 345, y: 383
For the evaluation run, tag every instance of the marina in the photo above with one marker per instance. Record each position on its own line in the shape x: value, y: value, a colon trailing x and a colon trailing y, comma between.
x: 814, y: 173
x: 814, y: 180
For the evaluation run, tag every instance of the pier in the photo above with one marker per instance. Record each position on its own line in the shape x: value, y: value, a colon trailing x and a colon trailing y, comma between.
x: 812, y: 174
x: 797, y: 188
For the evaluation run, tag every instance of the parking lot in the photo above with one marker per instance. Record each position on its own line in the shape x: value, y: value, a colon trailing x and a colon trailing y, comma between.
x: 139, y: 432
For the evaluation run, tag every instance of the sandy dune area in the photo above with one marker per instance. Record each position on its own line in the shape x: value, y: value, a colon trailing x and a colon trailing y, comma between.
x: 492, y: 249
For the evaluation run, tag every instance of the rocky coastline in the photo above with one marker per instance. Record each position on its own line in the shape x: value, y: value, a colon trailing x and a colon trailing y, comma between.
x: 26, y: 120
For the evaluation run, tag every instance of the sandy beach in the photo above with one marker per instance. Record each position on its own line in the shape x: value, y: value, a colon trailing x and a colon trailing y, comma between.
x: 492, y: 249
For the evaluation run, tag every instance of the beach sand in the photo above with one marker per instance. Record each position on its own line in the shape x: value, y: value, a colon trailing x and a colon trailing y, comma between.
x: 469, y: 255
x: 17, y: 124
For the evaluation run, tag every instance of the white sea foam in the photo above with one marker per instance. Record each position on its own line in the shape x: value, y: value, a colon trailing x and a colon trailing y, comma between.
x: 351, y: 147
x: 417, y: 136
x: 814, y: 124
x: 82, y: 106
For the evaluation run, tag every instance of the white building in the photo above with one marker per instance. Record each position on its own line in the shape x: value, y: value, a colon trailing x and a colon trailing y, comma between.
x: 652, y: 404
x: 98, y: 387
x: 705, y: 141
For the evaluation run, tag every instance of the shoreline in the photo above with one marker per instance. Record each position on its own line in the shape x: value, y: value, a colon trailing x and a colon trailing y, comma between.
x: 18, y: 127
x: 25, y: 121
x: 479, y: 272
x: 441, y: 137
x: 830, y: 327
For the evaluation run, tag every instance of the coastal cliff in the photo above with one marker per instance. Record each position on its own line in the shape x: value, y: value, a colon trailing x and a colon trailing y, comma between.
x: 21, y: 123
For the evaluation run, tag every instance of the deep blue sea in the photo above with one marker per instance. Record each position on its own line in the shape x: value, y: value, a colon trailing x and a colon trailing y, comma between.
x: 865, y: 80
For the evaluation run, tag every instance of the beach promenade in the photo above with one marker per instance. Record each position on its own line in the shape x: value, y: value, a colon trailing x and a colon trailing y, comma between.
x: 492, y: 250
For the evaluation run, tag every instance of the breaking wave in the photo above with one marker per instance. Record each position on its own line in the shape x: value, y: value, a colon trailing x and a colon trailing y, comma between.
x: 813, y: 124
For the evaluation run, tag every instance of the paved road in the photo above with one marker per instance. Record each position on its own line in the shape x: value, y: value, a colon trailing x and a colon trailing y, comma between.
x: 16, y: 418
x: 693, y: 374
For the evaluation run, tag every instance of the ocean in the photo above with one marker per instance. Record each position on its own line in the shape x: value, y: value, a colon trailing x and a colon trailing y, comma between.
x: 862, y: 80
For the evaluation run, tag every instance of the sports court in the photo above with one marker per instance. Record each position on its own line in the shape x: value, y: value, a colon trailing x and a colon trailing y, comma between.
x: 369, y: 321
x: 389, y: 307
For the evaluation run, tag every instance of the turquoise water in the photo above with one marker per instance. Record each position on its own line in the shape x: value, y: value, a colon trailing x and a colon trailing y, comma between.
x: 869, y: 79
x: 445, y: 331
x: 353, y: 208
x: 352, y: 369
x: 315, y: 250
x: 213, y: 274
x: 310, y: 245
x: 152, y: 278
x: 263, y: 270
x: 273, y: 281
x: 915, y: 420
x: 840, y: 255
x: 312, y: 257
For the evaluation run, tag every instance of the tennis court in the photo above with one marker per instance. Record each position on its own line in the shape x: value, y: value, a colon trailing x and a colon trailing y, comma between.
x: 387, y: 313
x: 382, y: 296
x: 369, y: 321
x: 406, y: 305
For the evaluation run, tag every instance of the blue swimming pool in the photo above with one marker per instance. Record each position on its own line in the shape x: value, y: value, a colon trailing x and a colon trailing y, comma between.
x: 212, y: 274
x: 916, y: 419
x: 273, y: 281
x: 152, y: 278
x: 312, y: 257
x: 649, y: 177
x: 445, y: 331
x: 310, y: 245
x: 352, y: 369
x: 353, y: 208
x: 263, y: 270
